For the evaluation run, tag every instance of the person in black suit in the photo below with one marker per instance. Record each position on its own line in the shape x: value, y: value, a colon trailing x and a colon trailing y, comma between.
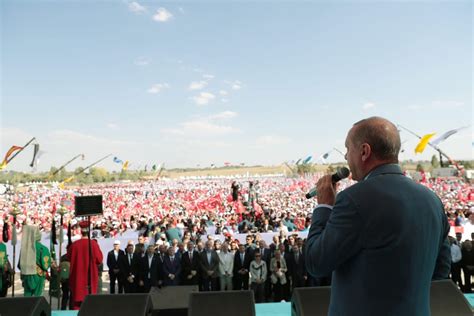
x: 242, y: 261
x: 288, y: 260
x: 298, y: 268
x: 266, y: 254
x: 115, y: 274
x: 149, y: 268
x: 128, y: 268
x: 171, y: 268
x: 209, y: 267
x: 190, y: 266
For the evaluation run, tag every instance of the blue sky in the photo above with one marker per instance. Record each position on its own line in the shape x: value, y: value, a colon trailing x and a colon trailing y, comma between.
x: 189, y: 83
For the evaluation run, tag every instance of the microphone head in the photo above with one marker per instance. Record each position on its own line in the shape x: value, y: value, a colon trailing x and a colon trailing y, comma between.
x: 343, y: 172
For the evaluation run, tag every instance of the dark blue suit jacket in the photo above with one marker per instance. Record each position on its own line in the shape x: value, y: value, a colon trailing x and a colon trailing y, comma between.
x: 385, y: 240
x: 171, y: 268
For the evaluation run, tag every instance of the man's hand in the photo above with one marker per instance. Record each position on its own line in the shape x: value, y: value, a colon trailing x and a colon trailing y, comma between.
x: 326, y: 190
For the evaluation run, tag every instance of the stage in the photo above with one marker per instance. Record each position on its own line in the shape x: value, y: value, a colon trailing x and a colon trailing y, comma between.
x: 264, y: 309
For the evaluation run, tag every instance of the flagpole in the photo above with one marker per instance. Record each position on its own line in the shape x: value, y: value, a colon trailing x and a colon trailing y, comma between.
x: 452, y: 161
x: 14, y: 213
x: 93, y: 164
x: 64, y: 166
x: 23, y: 148
x: 342, y: 154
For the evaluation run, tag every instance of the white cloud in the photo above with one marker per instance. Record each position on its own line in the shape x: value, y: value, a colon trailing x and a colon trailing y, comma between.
x: 272, y: 140
x: 197, y: 85
x: 203, y: 98
x: 112, y: 126
x: 223, y: 115
x: 181, y: 10
x: 158, y: 87
x: 236, y: 86
x: 162, y: 15
x: 203, y: 126
x: 223, y: 92
x: 135, y: 7
x: 142, y: 61
x: 208, y: 76
x: 368, y: 106
x: 224, y: 100
x: 447, y: 104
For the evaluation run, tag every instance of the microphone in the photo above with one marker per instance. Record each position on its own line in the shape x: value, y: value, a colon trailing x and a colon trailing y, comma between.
x: 341, y: 173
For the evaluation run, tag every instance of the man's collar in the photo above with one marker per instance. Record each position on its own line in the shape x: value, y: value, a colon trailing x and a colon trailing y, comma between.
x: 391, y: 168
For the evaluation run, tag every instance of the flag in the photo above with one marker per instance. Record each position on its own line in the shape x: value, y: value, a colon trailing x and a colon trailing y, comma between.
x: 35, y: 152
x: 53, y: 232
x: 61, y: 232
x: 62, y: 184
x: 298, y: 161
x: 5, y: 232
x: 423, y: 142
x: 146, y: 168
x: 10, y: 152
x: 445, y: 136
x: 116, y: 160
x: 308, y: 159
x: 14, y: 235
x: 326, y: 155
x: 153, y: 167
x: 125, y: 166
x: 69, y: 234
x: 226, y: 163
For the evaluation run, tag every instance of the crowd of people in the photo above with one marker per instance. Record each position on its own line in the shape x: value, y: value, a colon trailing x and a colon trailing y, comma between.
x: 172, y: 217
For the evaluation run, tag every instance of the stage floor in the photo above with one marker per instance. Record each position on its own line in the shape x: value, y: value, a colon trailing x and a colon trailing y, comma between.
x: 264, y: 309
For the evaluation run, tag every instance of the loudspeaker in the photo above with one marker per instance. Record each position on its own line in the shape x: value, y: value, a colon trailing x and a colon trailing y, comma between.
x: 88, y: 205
x: 24, y: 306
x: 171, y: 300
x: 310, y: 301
x: 116, y: 305
x: 222, y: 303
x: 447, y: 300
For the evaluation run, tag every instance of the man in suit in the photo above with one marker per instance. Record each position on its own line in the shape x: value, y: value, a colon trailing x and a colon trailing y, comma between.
x: 113, y: 263
x: 209, y: 267
x: 149, y: 268
x: 128, y: 268
x: 190, y: 266
x: 266, y: 254
x: 298, y: 268
x: 241, y: 268
x: 371, y: 235
x: 171, y: 268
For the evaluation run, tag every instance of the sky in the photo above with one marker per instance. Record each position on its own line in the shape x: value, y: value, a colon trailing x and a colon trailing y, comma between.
x: 207, y: 82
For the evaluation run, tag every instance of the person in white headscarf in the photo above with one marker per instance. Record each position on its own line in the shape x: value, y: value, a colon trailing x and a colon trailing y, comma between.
x: 35, y: 261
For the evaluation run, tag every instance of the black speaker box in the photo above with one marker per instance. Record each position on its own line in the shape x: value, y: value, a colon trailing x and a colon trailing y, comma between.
x: 447, y: 300
x: 24, y: 306
x: 116, y: 305
x: 222, y: 303
x: 312, y: 301
x: 171, y: 300
x: 88, y: 205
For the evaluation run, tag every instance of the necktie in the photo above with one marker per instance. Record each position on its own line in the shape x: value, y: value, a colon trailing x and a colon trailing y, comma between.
x: 191, y: 256
x: 129, y: 259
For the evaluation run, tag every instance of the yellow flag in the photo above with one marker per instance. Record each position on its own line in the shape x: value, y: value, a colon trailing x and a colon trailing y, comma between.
x: 61, y: 185
x: 423, y: 142
x: 3, y: 165
x: 125, y: 166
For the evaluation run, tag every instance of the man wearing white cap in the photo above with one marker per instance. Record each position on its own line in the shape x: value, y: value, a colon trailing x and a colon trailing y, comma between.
x: 113, y: 258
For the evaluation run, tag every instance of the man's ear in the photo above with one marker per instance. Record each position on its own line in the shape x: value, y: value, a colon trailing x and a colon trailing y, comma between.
x: 366, y: 152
